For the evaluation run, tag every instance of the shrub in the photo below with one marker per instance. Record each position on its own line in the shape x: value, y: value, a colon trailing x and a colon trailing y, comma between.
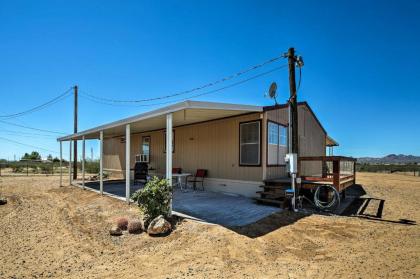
x: 17, y: 168
x: 92, y: 166
x: 154, y: 199
x: 135, y: 226
x: 122, y: 223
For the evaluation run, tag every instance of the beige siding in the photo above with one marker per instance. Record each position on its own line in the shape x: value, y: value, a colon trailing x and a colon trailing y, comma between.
x: 311, y: 140
x: 214, y: 146
x: 211, y: 145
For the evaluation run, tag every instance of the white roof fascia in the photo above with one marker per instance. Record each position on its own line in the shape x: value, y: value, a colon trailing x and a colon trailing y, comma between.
x: 163, y: 111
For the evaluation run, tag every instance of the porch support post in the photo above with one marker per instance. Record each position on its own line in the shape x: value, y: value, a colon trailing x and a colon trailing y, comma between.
x: 101, y: 162
x: 83, y: 160
x: 127, y: 162
x: 70, y: 178
x: 61, y: 163
x: 169, y: 154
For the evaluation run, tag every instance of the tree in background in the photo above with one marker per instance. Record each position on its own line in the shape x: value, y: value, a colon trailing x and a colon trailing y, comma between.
x: 50, y: 157
x: 33, y: 156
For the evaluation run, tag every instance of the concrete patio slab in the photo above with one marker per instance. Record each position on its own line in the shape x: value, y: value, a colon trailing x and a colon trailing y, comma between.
x: 211, y: 207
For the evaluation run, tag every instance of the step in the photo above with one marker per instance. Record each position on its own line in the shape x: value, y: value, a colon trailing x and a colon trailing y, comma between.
x: 278, y: 180
x: 275, y: 187
x: 269, y: 201
x: 271, y: 195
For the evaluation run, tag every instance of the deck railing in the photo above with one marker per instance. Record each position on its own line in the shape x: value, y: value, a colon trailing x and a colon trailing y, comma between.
x: 337, y: 170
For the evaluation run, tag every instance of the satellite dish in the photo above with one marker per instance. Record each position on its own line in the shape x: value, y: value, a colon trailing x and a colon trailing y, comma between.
x: 272, y: 92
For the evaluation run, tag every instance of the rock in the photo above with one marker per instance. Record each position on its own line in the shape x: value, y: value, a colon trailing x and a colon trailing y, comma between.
x: 159, y: 226
x: 115, y: 231
x: 135, y: 226
x: 3, y: 201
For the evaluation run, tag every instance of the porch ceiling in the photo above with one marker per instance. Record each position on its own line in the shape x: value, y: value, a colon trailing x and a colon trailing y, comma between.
x: 184, y: 113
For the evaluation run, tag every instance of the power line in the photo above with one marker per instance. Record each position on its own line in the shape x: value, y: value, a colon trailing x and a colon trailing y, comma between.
x: 29, y: 145
x: 190, y: 90
x: 19, y: 133
x: 193, y: 96
x: 32, y: 128
x: 44, y: 105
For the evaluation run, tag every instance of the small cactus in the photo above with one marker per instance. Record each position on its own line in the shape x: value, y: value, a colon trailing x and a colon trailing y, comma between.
x: 135, y: 226
x: 122, y: 223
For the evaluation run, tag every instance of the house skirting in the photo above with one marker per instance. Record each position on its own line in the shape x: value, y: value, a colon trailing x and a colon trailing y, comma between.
x: 229, y: 186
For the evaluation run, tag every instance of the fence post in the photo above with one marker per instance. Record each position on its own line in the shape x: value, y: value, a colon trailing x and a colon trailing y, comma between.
x: 27, y: 169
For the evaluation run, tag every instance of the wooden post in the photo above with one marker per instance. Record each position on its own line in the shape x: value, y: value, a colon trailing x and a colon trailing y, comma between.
x: 336, y: 174
x: 70, y: 163
x: 75, y: 131
x: 354, y: 172
x: 83, y: 161
x: 101, y: 162
x: 61, y: 163
x: 293, y: 101
x: 127, y: 162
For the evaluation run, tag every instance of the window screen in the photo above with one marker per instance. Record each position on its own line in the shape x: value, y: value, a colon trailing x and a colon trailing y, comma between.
x: 276, y: 144
x: 249, y: 143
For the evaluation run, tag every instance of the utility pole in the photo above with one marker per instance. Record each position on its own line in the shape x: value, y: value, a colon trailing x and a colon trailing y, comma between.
x: 293, y: 102
x: 292, y: 157
x: 75, y: 131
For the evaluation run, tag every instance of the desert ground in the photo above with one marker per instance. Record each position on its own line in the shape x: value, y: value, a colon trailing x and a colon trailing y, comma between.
x: 47, y: 231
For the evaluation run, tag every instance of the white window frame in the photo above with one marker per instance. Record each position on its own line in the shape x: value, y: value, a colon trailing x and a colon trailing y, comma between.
x: 145, y: 157
x: 279, y: 144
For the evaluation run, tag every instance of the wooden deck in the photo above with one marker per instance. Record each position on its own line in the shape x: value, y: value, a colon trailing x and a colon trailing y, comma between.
x: 339, y: 171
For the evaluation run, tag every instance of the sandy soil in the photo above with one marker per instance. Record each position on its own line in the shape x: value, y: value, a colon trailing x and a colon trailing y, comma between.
x: 48, y: 231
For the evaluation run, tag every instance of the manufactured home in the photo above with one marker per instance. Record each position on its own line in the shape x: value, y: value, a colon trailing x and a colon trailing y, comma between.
x: 240, y: 146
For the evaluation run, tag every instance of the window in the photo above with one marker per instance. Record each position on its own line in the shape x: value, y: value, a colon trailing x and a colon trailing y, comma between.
x: 145, y: 147
x: 276, y: 144
x: 249, y: 143
x: 173, y: 141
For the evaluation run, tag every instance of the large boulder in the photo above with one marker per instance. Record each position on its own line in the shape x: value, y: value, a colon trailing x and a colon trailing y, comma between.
x: 159, y: 226
x: 3, y: 201
x: 115, y: 231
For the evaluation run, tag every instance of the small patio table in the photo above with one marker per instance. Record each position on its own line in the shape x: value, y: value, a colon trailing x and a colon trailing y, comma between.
x: 179, y: 177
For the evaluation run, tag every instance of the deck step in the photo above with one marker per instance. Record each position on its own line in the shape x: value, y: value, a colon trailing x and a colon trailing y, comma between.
x: 279, y: 187
x: 270, y: 194
x: 270, y: 201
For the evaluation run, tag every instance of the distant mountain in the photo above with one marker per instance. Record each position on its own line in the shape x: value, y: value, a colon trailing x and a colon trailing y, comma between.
x: 390, y: 159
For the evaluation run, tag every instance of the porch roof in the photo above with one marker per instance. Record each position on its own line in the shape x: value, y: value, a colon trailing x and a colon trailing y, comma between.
x: 329, y: 141
x: 184, y: 113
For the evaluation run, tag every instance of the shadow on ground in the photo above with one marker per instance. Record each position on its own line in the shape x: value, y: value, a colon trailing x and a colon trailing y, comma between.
x: 269, y: 224
x: 366, y: 207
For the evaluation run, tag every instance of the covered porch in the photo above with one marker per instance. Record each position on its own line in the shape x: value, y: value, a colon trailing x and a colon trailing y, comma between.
x: 126, y: 133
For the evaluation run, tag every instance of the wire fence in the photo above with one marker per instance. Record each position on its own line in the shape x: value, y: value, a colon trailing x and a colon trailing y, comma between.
x: 43, y: 168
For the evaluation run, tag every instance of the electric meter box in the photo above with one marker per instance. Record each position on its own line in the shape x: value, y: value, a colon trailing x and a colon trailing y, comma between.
x: 291, y: 159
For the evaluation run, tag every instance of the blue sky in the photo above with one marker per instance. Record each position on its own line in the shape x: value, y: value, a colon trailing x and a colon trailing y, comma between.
x: 360, y: 75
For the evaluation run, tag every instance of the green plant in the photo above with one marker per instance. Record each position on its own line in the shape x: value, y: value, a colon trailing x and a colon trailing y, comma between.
x: 92, y: 166
x: 17, y: 168
x: 154, y: 199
